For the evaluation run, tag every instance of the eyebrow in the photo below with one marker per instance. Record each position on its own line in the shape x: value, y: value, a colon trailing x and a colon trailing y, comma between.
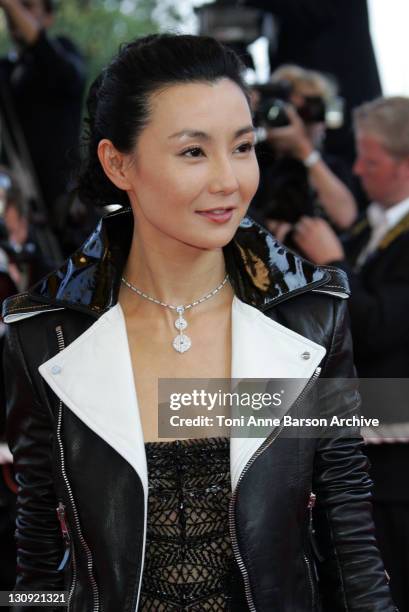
x: 204, y: 136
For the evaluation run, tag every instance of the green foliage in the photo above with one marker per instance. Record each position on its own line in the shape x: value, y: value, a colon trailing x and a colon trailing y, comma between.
x: 4, y: 44
x: 98, y: 27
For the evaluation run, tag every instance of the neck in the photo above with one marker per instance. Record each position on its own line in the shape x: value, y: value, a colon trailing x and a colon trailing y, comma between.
x: 398, y: 197
x: 173, y: 272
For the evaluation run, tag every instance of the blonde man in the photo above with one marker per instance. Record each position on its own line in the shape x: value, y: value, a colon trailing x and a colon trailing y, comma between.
x: 376, y: 258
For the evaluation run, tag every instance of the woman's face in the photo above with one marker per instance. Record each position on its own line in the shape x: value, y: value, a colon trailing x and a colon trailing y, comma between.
x: 194, y: 170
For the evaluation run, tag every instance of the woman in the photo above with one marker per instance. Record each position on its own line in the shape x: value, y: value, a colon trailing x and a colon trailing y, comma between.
x: 189, y: 524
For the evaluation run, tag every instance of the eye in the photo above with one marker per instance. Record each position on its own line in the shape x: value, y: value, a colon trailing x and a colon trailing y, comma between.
x: 194, y: 151
x: 245, y: 147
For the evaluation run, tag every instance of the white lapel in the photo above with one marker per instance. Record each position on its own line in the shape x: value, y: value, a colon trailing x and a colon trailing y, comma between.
x: 93, y: 377
x: 107, y: 403
x: 262, y: 348
x: 13, y: 318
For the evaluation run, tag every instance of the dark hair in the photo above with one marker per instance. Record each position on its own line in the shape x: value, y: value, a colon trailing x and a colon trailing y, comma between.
x: 118, y: 101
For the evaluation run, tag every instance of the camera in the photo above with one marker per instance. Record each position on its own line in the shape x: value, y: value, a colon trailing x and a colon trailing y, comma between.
x: 271, y: 111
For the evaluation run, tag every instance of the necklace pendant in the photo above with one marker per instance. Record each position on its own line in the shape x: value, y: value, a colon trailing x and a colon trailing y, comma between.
x: 180, y: 323
x: 182, y: 343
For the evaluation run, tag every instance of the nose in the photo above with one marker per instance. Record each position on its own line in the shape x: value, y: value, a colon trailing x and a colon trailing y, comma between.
x: 223, y: 177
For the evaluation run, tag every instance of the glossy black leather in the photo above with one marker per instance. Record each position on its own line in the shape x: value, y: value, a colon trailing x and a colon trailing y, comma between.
x: 271, y: 514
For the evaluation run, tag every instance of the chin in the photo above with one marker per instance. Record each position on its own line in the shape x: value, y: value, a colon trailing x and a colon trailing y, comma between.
x: 210, y: 244
x: 216, y: 238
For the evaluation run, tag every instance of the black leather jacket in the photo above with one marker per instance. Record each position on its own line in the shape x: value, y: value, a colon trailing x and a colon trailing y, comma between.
x: 82, y: 499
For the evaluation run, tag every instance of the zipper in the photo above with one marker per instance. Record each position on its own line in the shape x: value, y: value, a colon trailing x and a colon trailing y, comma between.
x: 310, y: 580
x: 311, y: 505
x: 68, y: 549
x: 267, y: 442
x: 311, y: 531
x: 65, y: 535
x: 94, y: 586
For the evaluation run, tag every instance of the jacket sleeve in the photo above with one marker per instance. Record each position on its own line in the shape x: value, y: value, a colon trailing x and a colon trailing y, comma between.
x: 351, y: 570
x: 30, y: 437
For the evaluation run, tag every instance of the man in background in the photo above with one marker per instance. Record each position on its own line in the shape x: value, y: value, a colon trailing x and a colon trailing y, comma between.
x: 18, y: 240
x: 297, y: 177
x: 43, y: 83
x: 376, y: 258
x: 334, y: 38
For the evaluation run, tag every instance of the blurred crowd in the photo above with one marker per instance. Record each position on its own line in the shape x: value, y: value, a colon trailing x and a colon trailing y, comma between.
x: 312, y: 197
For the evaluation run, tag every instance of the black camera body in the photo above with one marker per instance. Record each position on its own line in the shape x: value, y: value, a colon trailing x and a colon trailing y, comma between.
x: 271, y: 110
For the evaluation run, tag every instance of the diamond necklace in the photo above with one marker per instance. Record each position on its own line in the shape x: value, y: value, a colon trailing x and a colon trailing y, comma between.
x: 181, y: 343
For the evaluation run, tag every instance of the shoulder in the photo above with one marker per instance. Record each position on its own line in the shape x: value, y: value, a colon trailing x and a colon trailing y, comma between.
x: 321, y: 314
x: 50, y: 48
x: 33, y: 326
x: 336, y: 284
x: 21, y: 306
x: 68, y: 45
x: 313, y: 314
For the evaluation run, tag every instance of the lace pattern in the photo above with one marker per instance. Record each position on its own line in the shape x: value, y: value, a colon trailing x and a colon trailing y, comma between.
x: 188, y: 554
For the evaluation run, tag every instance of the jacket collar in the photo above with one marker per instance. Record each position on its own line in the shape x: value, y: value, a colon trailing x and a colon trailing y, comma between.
x: 108, y: 405
x: 261, y: 270
x: 401, y: 227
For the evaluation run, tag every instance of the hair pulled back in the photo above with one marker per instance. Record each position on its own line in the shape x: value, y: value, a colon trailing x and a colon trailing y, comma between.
x: 118, y: 103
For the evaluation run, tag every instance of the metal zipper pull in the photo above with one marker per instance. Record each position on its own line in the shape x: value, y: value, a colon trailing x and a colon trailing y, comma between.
x: 65, y: 535
x: 310, y: 580
x: 311, y: 503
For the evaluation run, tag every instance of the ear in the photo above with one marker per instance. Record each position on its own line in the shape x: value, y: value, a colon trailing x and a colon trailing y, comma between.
x: 113, y: 163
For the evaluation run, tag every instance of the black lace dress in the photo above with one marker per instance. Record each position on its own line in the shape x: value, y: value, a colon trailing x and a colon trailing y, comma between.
x: 188, y: 554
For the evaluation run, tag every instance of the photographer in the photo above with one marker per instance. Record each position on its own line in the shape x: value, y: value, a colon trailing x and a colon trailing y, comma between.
x: 22, y: 257
x: 296, y: 179
x: 42, y: 84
